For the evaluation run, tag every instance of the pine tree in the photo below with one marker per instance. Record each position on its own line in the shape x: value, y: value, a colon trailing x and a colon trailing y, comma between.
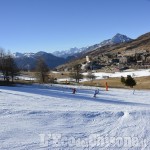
x: 123, y: 80
x: 130, y: 81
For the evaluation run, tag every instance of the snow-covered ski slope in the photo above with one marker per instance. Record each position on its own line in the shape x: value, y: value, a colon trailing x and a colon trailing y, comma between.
x: 51, y: 117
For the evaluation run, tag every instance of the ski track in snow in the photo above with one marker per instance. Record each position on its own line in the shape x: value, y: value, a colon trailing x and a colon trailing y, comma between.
x: 27, y: 111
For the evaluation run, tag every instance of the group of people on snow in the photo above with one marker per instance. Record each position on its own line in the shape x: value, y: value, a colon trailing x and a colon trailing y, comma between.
x: 95, y: 92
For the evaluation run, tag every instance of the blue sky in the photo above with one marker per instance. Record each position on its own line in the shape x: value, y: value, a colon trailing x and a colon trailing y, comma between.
x: 50, y: 25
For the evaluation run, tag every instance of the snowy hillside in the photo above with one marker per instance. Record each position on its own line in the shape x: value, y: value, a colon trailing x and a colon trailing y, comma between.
x: 51, y: 117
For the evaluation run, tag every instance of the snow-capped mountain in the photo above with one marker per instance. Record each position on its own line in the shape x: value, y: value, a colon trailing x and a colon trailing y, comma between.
x: 28, y: 60
x: 70, y: 52
x: 59, y: 57
x: 17, y: 54
x: 117, y: 39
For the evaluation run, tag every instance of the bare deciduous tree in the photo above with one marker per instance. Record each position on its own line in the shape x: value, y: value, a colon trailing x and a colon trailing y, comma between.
x: 8, y: 66
x: 90, y: 76
x: 76, y: 74
x: 42, y: 71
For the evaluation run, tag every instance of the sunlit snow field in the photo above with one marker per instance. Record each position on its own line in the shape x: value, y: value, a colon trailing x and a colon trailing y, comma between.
x: 30, y: 113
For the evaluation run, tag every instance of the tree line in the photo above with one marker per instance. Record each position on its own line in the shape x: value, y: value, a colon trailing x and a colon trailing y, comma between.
x: 8, y: 67
x: 9, y: 70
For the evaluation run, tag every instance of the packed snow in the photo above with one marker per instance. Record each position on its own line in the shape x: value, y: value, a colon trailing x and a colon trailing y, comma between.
x: 50, y: 117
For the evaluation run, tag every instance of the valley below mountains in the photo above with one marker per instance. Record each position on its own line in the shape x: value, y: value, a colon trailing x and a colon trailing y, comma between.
x: 127, y: 54
x: 119, y: 49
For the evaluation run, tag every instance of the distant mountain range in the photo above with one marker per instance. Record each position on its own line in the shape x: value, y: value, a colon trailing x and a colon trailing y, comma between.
x: 118, y: 38
x: 70, y: 52
x: 132, y: 51
x: 28, y: 60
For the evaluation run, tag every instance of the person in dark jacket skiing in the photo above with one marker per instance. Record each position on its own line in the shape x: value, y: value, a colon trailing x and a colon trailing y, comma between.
x: 96, y: 92
x: 74, y: 90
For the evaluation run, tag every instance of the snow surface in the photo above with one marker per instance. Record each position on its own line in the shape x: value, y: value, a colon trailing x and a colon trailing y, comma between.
x: 134, y: 73
x: 28, y: 113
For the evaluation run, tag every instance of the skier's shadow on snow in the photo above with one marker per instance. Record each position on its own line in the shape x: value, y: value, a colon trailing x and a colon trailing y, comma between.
x: 67, y: 94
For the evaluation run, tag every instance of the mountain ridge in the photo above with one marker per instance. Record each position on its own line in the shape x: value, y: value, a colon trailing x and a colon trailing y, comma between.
x: 131, y: 51
x: 116, y: 39
x: 27, y: 61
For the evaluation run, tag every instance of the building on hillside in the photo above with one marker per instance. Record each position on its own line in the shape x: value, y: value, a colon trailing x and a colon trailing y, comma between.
x: 123, y: 60
x: 87, y: 59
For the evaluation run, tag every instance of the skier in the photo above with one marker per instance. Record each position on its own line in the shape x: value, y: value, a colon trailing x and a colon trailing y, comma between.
x: 73, y: 90
x: 106, y: 84
x: 96, y: 92
x: 133, y: 91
